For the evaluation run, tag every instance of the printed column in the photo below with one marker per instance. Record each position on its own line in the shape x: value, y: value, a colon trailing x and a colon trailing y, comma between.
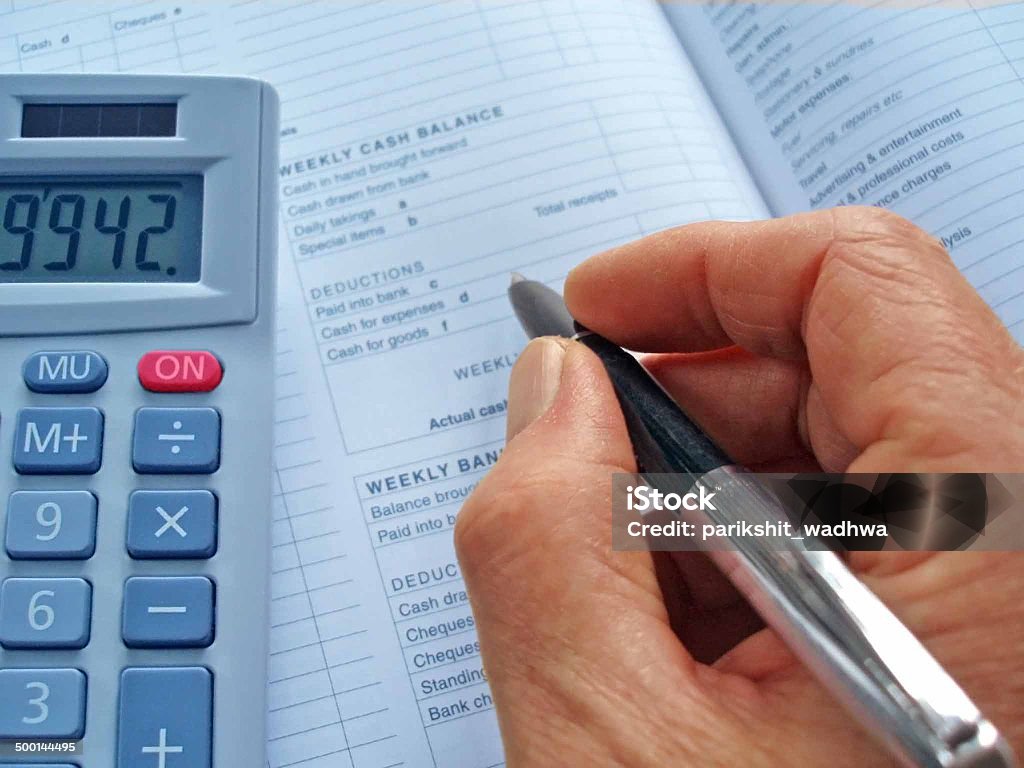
x: 410, y: 512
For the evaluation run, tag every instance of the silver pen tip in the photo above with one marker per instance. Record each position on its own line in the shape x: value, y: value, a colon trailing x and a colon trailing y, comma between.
x: 515, y: 277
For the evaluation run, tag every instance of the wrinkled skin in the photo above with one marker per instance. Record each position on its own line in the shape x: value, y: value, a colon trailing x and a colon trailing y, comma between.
x: 843, y: 340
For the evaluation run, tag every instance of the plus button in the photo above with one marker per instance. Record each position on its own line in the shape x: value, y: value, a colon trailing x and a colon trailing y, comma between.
x: 161, y: 750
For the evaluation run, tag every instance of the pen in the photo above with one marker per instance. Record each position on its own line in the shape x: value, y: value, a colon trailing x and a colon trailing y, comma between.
x: 837, y: 627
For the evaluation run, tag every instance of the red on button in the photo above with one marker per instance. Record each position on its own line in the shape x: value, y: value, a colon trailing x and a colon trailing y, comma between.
x: 179, y: 371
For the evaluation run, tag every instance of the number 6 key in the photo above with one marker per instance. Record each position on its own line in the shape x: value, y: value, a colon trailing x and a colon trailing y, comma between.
x: 45, y: 613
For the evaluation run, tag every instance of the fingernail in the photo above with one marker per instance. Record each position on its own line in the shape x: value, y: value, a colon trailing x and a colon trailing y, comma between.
x: 534, y: 383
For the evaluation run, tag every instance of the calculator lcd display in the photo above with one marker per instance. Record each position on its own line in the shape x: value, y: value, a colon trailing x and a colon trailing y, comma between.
x: 101, y: 229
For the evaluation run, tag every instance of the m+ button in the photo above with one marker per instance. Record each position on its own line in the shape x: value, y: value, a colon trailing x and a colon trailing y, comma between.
x: 58, y: 441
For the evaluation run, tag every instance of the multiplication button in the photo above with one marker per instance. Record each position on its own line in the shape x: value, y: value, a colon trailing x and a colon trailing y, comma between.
x: 175, y: 441
x: 172, y: 524
x: 165, y: 718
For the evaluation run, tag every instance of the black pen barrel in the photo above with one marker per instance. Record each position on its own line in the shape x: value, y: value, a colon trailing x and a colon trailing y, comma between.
x: 664, y: 438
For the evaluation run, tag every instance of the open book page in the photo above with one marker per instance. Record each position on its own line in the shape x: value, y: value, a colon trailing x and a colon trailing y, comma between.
x: 428, y: 148
x: 915, y: 106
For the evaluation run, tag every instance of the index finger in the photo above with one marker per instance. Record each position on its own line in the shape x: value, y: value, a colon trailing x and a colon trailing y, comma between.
x: 714, y: 284
x: 873, y: 303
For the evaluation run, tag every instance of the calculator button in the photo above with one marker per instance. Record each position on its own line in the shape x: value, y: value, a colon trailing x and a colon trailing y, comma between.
x: 170, y: 441
x: 58, y: 441
x: 51, y: 525
x: 45, y: 613
x: 65, y: 372
x: 179, y: 371
x: 172, y: 524
x: 168, y: 612
x: 165, y: 718
x: 42, y: 704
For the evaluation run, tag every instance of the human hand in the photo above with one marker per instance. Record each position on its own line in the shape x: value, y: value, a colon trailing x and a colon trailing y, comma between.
x: 844, y: 340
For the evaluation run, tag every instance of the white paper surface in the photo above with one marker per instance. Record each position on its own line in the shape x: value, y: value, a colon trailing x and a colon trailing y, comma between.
x: 428, y: 149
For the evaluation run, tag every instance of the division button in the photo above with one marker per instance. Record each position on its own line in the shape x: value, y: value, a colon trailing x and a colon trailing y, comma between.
x: 174, y: 441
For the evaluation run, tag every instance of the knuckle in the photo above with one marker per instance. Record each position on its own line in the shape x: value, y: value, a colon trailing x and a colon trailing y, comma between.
x: 870, y: 247
x: 471, y: 527
x: 862, y: 225
x: 504, y: 502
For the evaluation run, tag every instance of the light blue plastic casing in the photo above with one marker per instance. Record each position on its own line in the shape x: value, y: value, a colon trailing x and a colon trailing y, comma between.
x: 228, y: 133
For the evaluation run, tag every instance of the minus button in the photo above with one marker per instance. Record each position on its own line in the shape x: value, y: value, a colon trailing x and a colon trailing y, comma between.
x: 167, y: 609
x: 168, y: 612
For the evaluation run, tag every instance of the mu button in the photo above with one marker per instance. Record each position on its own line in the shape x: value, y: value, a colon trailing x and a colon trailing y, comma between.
x: 180, y: 371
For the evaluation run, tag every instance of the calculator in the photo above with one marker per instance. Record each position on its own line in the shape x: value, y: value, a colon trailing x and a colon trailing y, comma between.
x: 137, y: 271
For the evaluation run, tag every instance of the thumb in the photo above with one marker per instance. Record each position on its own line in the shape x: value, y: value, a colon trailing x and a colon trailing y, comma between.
x: 567, y: 627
